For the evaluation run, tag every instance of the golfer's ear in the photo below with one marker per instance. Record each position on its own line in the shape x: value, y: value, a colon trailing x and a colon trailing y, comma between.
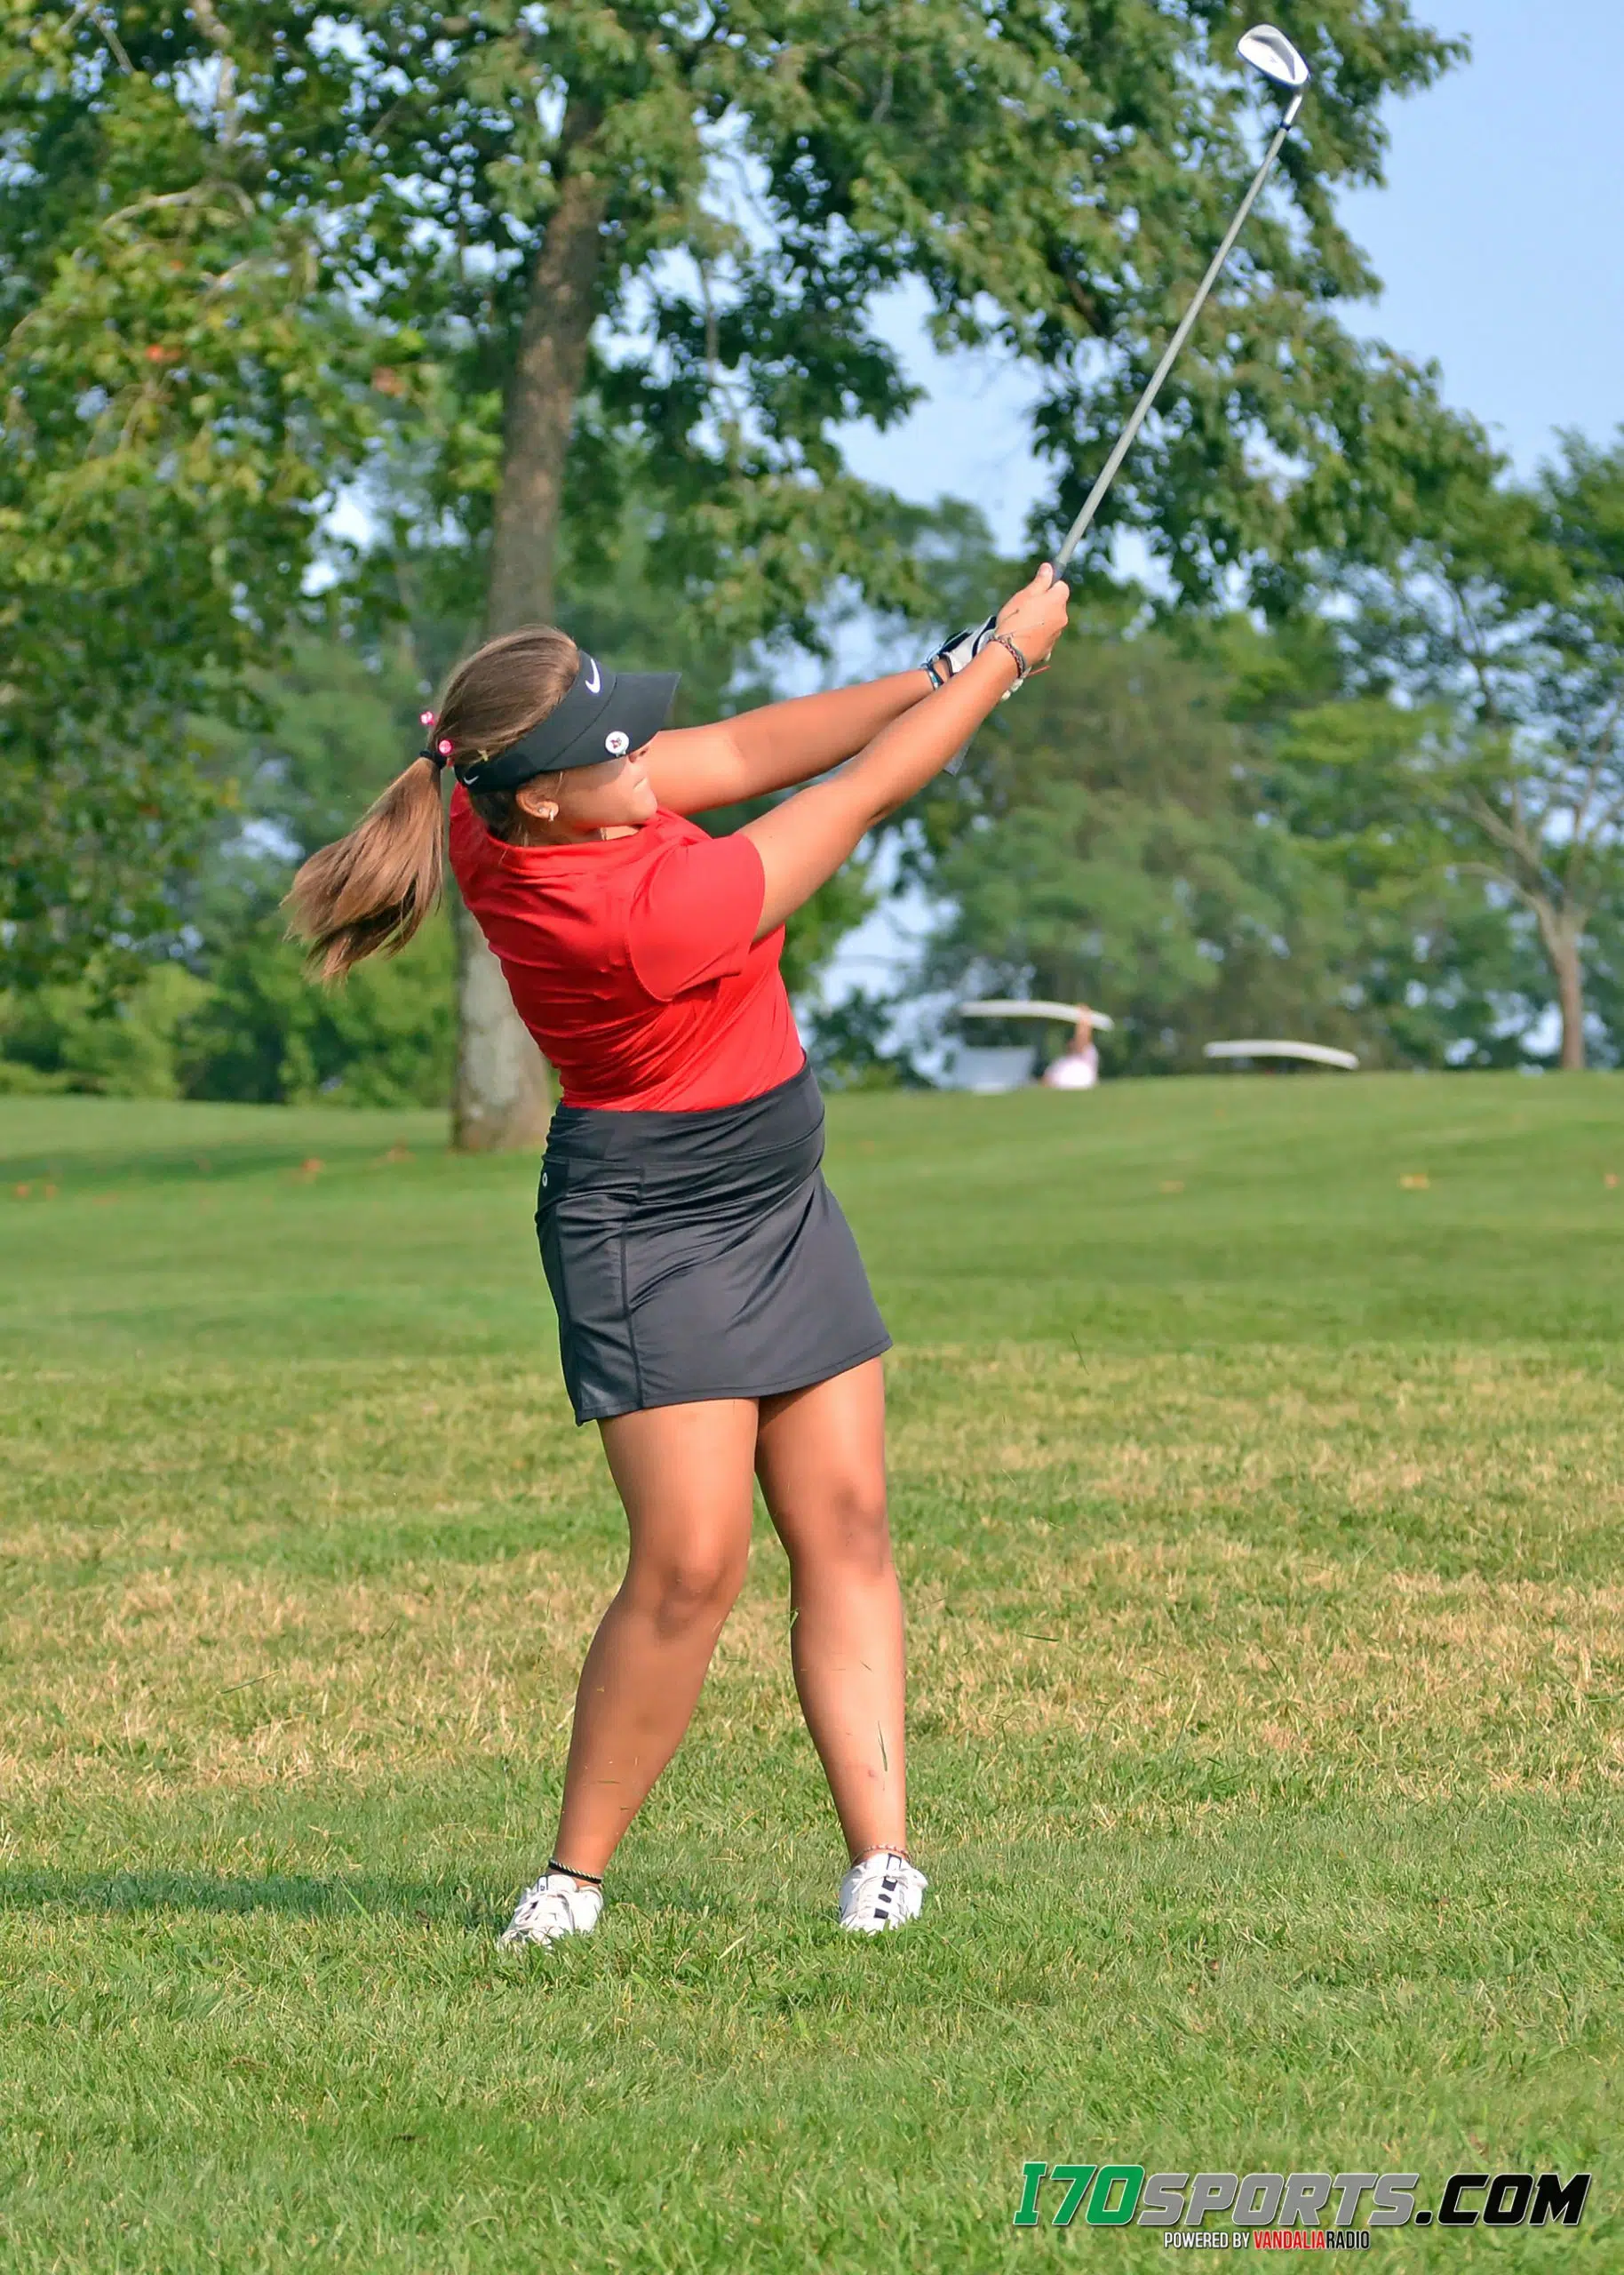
x: 538, y: 797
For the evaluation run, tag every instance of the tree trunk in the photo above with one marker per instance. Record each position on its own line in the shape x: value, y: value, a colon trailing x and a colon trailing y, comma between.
x: 1571, y: 995
x: 1560, y: 932
x: 541, y: 395
x: 503, y: 1094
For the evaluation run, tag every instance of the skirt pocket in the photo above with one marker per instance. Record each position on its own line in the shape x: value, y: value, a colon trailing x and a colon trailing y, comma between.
x: 583, y: 1237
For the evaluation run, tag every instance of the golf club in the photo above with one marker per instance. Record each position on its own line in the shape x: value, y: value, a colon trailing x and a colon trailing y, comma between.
x: 1270, y: 53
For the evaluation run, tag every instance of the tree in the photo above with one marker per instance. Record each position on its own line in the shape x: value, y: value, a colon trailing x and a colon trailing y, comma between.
x: 1604, y: 977
x: 850, y: 1044
x: 649, y: 237
x: 1190, y: 822
x: 165, y: 406
x: 66, y: 1036
x: 263, y: 1033
x: 1576, y: 884
x: 1438, y: 970
x: 1109, y: 848
x: 1490, y: 654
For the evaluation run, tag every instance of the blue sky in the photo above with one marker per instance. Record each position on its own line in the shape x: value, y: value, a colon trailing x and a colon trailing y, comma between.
x: 1494, y: 236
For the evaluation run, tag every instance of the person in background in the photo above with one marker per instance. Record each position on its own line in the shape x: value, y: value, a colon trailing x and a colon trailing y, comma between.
x: 1078, y: 1067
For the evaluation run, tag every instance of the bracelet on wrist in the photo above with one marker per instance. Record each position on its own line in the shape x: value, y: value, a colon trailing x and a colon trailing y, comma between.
x: 1022, y: 669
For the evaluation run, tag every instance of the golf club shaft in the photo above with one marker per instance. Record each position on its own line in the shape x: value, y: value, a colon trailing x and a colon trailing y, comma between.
x: 1125, y: 440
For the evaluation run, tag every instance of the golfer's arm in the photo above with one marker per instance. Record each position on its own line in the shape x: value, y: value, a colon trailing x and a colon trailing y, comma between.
x: 694, y: 769
x: 804, y: 841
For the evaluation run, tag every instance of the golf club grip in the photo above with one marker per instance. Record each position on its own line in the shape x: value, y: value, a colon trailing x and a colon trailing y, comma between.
x: 1124, y: 443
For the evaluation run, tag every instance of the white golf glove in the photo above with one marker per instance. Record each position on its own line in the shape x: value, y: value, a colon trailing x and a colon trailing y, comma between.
x: 951, y: 657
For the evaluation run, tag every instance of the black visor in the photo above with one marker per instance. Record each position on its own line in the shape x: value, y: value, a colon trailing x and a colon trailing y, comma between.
x: 604, y: 715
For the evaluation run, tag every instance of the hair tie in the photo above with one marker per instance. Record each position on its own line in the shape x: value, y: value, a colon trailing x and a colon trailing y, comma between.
x: 439, y: 748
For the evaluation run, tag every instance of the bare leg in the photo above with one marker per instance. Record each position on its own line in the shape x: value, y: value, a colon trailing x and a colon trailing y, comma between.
x: 820, y: 1455
x: 684, y: 1474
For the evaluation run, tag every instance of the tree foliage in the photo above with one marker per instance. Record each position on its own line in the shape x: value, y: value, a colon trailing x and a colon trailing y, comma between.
x: 264, y: 1034
x: 171, y: 391
x: 1196, y: 822
x: 1114, y: 855
x: 1487, y: 739
x: 571, y: 255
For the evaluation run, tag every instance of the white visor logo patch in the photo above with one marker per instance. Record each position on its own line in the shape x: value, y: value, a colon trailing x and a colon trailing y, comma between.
x: 617, y: 744
x: 593, y: 684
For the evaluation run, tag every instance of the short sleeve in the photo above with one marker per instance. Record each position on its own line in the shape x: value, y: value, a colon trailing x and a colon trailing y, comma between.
x: 693, y: 917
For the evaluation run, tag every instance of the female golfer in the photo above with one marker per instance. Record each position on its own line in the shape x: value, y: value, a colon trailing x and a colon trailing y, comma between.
x: 715, y: 1318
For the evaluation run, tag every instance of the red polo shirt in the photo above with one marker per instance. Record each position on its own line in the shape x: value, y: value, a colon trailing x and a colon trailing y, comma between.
x: 633, y: 962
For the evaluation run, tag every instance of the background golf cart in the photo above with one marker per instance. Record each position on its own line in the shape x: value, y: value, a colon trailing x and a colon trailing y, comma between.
x: 1005, y: 1043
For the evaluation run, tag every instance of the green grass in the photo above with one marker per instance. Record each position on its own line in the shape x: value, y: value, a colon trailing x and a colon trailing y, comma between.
x: 1260, y: 1522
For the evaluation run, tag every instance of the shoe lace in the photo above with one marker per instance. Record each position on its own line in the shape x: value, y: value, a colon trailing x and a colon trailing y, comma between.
x: 881, y: 1879
x: 546, y: 1904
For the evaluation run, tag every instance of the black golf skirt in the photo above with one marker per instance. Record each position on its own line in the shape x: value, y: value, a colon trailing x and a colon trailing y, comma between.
x: 699, y: 1254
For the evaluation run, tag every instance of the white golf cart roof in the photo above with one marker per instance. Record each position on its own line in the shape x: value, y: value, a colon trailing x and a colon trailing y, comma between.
x: 999, y: 1007
x: 1316, y: 1054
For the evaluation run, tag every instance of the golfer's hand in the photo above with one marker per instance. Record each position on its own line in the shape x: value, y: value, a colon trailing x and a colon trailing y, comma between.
x: 1036, y: 616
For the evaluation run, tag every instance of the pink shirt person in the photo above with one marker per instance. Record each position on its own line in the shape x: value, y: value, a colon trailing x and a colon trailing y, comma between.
x: 1078, y: 1067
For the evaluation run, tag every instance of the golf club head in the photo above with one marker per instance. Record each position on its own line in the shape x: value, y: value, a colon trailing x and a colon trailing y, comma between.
x: 1270, y: 53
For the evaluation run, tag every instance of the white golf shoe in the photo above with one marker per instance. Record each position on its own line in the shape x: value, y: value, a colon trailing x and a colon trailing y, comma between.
x: 882, y: 1891
x: 556, y: 1906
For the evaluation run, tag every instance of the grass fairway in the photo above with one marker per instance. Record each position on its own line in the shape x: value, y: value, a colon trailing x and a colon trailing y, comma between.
x: 1259, y: 1516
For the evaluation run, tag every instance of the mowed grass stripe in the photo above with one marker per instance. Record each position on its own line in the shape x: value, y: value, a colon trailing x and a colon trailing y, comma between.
x: 378, y: 1580
x: 1190, y: 1214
